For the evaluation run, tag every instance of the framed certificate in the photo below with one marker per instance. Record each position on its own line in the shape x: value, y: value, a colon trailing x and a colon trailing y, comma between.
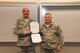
x: 36, y: 38
x: 34, y: 26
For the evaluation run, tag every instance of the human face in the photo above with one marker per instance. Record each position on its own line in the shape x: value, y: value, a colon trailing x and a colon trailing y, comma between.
x: 48, y: 19
x: 25, y: 12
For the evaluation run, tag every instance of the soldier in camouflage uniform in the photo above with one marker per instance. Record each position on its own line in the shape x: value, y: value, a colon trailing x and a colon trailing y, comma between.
x: 52, y: 37
x: 22, y: 30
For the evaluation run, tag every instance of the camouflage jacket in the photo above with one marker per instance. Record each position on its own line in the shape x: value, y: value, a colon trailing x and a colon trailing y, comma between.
x: 20, y: 26
x: 52, y: 36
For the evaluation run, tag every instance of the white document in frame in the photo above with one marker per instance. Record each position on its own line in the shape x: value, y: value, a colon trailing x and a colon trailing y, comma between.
x: 34, y: 26
x: 36, y: 38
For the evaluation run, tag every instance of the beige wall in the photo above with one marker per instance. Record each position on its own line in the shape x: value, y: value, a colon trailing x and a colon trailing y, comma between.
x: 19, y: 0
x: 67, y: 18
x: 51, y: 11
x: 59, y: 0
x: 8, y: 21
x: 41, y: 0
x: 77, y: 39
x: 10, y: 48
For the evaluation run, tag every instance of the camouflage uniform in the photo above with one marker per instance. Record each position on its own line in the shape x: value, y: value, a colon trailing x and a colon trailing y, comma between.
x: 20, y: 26
x: 52, y: 36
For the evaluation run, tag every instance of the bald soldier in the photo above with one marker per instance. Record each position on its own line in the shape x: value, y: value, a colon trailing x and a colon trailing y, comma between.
x: 22, y: 30
x: 52, y: 37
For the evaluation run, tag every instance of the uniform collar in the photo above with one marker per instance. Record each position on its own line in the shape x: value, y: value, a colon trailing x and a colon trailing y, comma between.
x: 48, y: 24
x: 23, y: 19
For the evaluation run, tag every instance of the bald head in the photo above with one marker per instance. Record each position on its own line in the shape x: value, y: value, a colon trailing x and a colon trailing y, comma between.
x: 25, y: 9
x: 25, y: 12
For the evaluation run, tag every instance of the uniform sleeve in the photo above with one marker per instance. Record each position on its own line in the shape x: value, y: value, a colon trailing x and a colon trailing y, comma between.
x: 16, y: 29
x: 60, y: 37
x: 33, y: 20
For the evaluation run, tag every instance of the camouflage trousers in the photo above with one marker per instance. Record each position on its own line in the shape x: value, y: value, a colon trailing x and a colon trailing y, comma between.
x: 48, y: 51
x: 26, y: 49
